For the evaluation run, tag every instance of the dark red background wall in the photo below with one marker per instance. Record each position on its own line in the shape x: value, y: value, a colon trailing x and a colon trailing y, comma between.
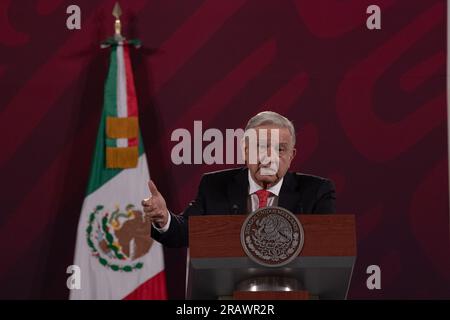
x: 369, y: 106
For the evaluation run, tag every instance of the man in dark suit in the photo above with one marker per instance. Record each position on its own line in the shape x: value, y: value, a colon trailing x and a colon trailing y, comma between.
x: 240, y: 191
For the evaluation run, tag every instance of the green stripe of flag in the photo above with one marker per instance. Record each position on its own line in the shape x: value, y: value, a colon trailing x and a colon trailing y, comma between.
x: 110, y: 95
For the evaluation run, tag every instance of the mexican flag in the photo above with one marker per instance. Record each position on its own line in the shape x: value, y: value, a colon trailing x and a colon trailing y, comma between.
x: 114, y: 251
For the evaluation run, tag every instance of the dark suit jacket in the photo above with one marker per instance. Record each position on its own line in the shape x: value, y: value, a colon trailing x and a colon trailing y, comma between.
x: 226, y: 192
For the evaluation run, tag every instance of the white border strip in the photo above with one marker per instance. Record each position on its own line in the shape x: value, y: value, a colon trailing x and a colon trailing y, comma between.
x: 122, y: 107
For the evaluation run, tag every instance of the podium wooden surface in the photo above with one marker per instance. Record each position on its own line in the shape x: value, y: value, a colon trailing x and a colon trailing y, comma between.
x: 219, y: 236
x: 218, y: 262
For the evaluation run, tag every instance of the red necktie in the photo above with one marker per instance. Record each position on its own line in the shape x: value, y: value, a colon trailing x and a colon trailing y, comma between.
x: 262, y: 196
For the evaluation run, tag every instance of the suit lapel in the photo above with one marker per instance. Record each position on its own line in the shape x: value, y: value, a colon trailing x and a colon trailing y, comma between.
x: 238, y: 192
x: 289, y: 197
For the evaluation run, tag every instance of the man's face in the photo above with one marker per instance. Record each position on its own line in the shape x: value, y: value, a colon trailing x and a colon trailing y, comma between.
x: 273, y: 158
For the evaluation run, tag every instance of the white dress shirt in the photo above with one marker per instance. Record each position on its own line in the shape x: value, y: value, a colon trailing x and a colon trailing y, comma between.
x: 253, y: 187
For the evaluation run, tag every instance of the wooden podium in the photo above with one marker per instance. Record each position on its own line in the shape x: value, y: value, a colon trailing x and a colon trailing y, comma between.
x: 217, y: 263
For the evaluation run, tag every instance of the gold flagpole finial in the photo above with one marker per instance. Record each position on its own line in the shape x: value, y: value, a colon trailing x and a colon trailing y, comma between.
x: 117, y: 12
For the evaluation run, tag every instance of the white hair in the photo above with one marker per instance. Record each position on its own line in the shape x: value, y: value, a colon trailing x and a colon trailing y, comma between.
x: 270, y: 117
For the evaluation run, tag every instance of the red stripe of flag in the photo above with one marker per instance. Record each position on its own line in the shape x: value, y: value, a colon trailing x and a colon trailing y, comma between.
x: 152, y: 289
x: 131, y: 92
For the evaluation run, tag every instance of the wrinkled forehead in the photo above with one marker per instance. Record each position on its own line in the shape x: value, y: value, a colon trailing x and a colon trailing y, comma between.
x: 271, y: 133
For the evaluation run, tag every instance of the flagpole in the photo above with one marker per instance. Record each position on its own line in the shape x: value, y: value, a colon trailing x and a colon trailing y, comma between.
x: 117, y: 12
x: 118, y: 38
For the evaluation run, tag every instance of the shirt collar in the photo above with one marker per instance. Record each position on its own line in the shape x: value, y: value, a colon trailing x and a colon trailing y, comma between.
x: 253, y: 186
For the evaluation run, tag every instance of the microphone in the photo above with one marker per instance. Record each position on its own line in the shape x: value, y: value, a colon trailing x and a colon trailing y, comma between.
x: 235, y: 208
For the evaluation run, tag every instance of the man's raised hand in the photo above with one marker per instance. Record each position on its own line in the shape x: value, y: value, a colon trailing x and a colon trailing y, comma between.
x: 155, y: 207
